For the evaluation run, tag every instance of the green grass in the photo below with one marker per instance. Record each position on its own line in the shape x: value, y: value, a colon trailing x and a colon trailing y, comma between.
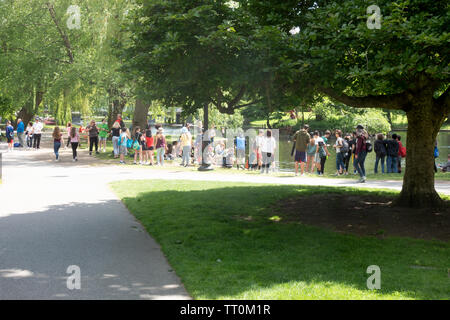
x: 220, y: 240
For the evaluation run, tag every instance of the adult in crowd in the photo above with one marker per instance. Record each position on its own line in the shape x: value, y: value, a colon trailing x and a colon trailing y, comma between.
x: 340, y: 166
x: 68, y: 130
x: 380, y: 152
x: 37, y: 133
x: 323, y: 159
x: 392, y: 148
x: 347, y: 152
x: 74, y: 142
x: 58, y: 141
x: 240, y: 150
x: 258, y: 144
x: 401, y: 153
x: 186, y: 146
x: 120, y: 121
x: 20, y: 132
x: 361, y: 152
x: 103, y: 134
x: 268, y: 151
x: 301, y: 139
x: 115, y: 133
x: 93, y: 137
x: 161, y: 146
x: 29, y: 134
x: 10, y: 136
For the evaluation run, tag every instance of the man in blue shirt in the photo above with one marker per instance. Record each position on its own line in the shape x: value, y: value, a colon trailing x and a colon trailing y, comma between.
x: 20, y: 132
x: 240, y: 151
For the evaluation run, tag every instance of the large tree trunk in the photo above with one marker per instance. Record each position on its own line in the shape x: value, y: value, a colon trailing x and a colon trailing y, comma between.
x: 117, y: 108
x: 140, y: 114
x: 424, y: 122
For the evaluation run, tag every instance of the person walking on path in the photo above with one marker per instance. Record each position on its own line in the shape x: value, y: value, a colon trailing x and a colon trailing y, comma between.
x: 69, y: 129
x: 20, y: 132
x: 340, y: 166
x: 149, y: 140
x: 93, y: 137
x: 58, y: 140
x: 103, y: 134
x: 392, y: 148
x: 186, y: 146
x: 380, y: 152
x: 161, y: 147
x: 268, y: 151
x: 311, y: 154
x: 10, y: 136
x: 74, y: 142
x: 301, y: 139
x: 37, y: 133
x: 361, y: 152
x: 29, y: 134
x: 115, y: 133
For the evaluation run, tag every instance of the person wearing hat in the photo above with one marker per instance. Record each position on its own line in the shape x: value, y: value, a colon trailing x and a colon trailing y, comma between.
x: 161, y: 146
x: 361, y: 152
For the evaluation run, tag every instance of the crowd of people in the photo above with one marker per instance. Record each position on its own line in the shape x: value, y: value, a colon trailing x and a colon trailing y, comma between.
x: 310, y: 149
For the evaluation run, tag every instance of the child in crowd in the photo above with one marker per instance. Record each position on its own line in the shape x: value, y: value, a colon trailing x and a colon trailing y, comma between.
x: 311, y: 153
x: 10, y: 136
x: 150, y: 146
x: 123, y: 140
x: 29, y: 134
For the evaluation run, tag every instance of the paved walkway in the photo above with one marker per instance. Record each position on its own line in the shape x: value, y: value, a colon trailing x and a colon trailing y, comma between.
x: 53, y: 215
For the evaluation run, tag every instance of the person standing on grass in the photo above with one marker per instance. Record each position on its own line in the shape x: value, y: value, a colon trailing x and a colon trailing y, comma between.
x: 115, y: 133
x: 311, y: 154
x: 323, y: 160
x: 301, y: 139
x: 186, y: 146
x: 103, y: 134
x: 120, y: 121
x: 10, y: 136
x: 20, y: 132
x: 93, y: 137
x: 361, y: 152
x: 352, y: 146
x: 161, y: 147
x: 240, y: 151
x: 74, y: 142
x: 258, y: 141
x: 340, y: 166
x: 137, y: 151
x: 149, y: 140
x: 58, y: 140
x: 392, y: 148
x: 37, y: 133
x: 380, y: 152
x: 69, y: 129
x: 29, y: 134
x: 268, y: 151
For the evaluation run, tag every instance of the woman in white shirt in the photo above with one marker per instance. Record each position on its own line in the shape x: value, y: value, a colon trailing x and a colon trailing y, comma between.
x: 268, y: 147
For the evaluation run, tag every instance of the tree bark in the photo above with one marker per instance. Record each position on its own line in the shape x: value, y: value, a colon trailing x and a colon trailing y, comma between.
x: 424, y: 122
x: 140, y: 114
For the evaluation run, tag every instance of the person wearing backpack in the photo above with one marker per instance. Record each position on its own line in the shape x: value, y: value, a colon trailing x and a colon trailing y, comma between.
x: 392, y: 148
x: 348, y: 154
x: 361, y: 152
x: 380, y: 152
x: 123, y: 142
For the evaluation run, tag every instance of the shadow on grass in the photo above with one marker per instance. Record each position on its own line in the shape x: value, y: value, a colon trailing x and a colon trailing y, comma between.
x: 222, y: 242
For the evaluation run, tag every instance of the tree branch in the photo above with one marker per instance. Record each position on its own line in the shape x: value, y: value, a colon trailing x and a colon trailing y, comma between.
x: 444, y: 100
x: 395, y: 101
x: 64, y: 37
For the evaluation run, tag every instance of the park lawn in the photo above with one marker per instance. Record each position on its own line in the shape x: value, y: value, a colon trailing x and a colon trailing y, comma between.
x: 224, y: 242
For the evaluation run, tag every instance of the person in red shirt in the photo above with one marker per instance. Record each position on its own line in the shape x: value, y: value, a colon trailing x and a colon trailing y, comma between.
x: 401, y: 153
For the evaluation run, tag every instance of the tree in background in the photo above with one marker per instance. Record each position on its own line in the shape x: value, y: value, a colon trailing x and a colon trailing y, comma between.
x: 404, y: 65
